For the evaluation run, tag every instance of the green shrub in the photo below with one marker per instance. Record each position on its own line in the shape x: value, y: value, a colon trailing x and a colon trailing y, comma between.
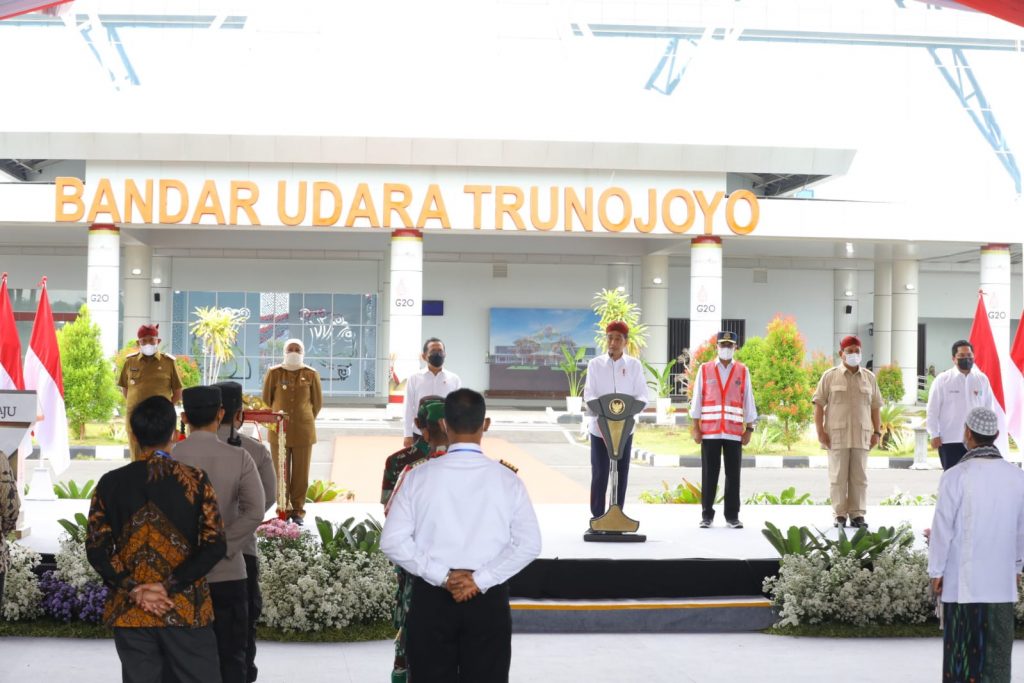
x: 686, y: 493
x: 90, y: 392
x: 890, y: 383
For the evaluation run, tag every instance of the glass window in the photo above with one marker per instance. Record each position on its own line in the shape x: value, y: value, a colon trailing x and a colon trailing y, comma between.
x: 337, y: 346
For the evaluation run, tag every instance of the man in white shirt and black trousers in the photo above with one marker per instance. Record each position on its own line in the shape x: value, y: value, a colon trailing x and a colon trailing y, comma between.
x: 614, y: 372
x: 463, y: 525
x: 952, y: 395
x: 432, y: 380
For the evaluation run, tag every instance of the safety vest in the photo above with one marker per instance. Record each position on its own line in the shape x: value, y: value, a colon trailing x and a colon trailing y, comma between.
x: 723, y: 414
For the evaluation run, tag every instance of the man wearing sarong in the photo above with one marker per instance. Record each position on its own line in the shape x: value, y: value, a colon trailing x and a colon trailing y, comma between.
x: 975, y: 554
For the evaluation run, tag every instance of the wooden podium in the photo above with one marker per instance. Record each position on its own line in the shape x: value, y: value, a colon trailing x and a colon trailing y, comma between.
x: 17, y: 417
x: 277, y: 426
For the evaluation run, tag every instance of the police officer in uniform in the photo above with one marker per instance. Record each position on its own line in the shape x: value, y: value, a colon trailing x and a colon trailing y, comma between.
x: 147, y: 372
x: 231, y: 398
x: 847, y: 417
x: 294, y: 388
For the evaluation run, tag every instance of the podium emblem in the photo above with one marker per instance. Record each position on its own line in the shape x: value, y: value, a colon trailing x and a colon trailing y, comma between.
x: 617, y: 406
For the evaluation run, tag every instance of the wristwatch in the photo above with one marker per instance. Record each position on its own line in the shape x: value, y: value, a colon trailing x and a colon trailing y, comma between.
x: 877, y: 433
x: 749, y: 430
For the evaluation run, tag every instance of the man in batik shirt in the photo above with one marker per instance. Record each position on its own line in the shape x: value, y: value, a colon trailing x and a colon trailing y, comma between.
x: 154, y: 532
x: 431, y: 443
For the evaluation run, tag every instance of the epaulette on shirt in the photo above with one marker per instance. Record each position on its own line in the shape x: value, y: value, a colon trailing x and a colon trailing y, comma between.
x: 133, y: 353
x: 421, y: 461
x: 509, y: 465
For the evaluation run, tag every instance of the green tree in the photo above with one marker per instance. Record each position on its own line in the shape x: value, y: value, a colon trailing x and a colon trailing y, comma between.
x: 890, y: 383
x: 611, y: 305
x: 706, y: 352
x: 786, y: 388
x: 753, y: 354
x: 90, y: 394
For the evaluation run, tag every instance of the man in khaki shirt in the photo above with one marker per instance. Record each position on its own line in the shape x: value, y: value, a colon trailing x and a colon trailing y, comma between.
x: 294, y: 388
x: 847, y: 416
x: 147, y: 372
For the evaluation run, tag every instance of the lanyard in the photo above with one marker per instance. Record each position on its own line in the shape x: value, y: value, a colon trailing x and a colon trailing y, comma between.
x: 162, y: 454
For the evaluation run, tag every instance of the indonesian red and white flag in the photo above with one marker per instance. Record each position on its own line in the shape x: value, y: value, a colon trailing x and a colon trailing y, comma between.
x: 10, y: 345
x: 986, y: 358
x: 1014, y: 387
x: 43, y: 373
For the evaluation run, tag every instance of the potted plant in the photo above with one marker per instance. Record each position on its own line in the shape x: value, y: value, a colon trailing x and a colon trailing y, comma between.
x: 661, y: 382
x: 570, y: 365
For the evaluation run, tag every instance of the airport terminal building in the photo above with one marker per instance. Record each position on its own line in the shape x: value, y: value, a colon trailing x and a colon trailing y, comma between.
x: 851, y: 166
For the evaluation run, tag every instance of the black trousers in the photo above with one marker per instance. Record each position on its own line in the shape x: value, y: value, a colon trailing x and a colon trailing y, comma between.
x: 711, y: 454
x: 231, y: 626
x: 252, y: 571
x: 600, y: 465
x: 450, y: 642
x: 189, y: 654
x: 951, y: 453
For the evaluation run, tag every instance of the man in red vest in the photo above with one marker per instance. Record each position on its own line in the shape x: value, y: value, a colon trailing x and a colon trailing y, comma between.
x: 722, y: 417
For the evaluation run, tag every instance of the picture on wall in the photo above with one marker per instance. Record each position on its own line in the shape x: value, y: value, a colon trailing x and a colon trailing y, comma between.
x: 526, y: 348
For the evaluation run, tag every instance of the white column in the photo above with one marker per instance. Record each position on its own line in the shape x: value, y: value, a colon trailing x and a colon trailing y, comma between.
x: 882, y: 339
x: 995, y: 287
x: 384, y: 331
x: 137, y: 285
x: 904, y: 325
x: 845, y: 317
x: 705, y: 289
x: 161, y: 300
x: 405, y: 302
x: 654, y: 308
x: 103, y: 282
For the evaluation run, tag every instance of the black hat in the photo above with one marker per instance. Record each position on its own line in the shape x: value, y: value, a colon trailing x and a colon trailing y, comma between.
x: 230, y: 396
x: 726, y: 336
x: 195, y: 398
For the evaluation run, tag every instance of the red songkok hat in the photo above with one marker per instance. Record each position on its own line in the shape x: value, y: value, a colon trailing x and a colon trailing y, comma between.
x: 849, y: 340
x: 148, y: 331
x: 617, y: 326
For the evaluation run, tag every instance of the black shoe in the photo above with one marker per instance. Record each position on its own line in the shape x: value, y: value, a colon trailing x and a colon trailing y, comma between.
x: 859, y: 523
x: 297, y: 519
x: 734, y: 524
x: 840, y: 522
x: 705, y: 524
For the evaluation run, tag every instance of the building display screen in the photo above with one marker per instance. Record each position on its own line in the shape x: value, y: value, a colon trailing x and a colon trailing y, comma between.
x: 339, y: 332
x: 526, y: 347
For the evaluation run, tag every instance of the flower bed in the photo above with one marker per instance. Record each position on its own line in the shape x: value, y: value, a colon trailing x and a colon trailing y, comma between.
x: 308, y: 586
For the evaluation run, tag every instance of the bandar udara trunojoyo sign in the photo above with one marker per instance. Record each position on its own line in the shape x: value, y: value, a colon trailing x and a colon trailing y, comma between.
x: 612, y: 208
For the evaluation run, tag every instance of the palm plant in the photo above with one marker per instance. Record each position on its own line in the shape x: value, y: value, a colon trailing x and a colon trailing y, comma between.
x: 217, y: 330
x: 611, y: 305
x: 893, y: 426
x: 661, y: 380
x: 570, y: 365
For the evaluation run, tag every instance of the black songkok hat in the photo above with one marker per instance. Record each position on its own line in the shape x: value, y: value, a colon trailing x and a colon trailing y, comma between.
x: 230, y: 396
x: 195, y: 398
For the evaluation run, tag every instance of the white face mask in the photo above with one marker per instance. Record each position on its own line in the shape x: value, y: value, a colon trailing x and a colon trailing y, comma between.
x: 293, y: 359
x: 725, y: 352
x: 852, y: 359
x: 148, y: 349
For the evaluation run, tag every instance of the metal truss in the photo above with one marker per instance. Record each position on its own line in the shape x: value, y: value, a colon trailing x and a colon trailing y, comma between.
x: 956, y: 70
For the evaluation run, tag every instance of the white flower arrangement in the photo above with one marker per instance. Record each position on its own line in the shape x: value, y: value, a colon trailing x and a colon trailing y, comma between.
x: 22, y: 598
x: 72, y: 564
x: 307, y: 589
x: 809, y: 590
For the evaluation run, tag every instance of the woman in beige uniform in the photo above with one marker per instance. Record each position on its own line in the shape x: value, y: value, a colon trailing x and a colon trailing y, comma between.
x: 294, y: 388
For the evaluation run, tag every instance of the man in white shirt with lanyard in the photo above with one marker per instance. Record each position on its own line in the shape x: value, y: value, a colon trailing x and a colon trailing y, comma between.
x: 976, y: 553
x: 432, y: 380
x: 952, y: 395
x: 463, y: 525
x: 722, y: 417
x: 614, y: 372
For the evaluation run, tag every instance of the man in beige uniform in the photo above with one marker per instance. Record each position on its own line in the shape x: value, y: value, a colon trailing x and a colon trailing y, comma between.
x: 847, y: 416
x: 294, y: 388
x: 147, y: 372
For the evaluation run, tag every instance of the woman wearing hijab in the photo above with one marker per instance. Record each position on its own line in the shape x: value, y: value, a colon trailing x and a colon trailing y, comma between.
x: 294, y: 388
